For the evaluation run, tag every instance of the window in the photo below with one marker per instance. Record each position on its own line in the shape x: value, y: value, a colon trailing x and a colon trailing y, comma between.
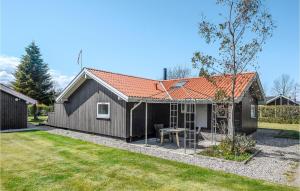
x: 189, y: 108
x: 253, y: 114
x: 222, y: 111
x: 103, y: 110
x: 179, y: 84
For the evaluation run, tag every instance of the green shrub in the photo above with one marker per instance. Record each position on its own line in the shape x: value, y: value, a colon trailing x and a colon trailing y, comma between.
x: 244, y: 144
x: 243, y: 148
x: 279, y: 114
x: 41, y: 109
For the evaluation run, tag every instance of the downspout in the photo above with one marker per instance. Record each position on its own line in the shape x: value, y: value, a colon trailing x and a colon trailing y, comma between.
x: 131, y: 110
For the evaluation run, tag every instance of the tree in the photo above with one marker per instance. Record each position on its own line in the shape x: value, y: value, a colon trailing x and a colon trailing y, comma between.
x: 240, y: 35
x: 32, y: 77
x: 295, y: 92
x: 179, y: 72
x: 283, y: 85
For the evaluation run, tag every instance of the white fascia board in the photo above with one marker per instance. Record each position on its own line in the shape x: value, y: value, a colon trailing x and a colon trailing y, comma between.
x: 70, y: 85
x: 109, y: 87
x: 239, y: 99
x: 270, y: 100
x: 261, y: 87
x: 85, y: 73
x: 274, y: 98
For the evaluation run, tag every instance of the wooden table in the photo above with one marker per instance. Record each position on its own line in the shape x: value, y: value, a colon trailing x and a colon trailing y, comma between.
x: 175, y: 131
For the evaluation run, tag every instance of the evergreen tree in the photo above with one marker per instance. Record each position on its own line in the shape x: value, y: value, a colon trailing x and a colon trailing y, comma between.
x: 32, y: 77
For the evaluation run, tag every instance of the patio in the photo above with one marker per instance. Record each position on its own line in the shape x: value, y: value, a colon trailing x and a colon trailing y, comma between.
x: 169, y: 146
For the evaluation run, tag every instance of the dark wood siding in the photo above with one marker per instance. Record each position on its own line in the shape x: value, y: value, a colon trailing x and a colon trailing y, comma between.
x: 13, y: 113
x: 242, y: 115
x: 157, y: 113
x: 248, y: 124
x: 79, y: 113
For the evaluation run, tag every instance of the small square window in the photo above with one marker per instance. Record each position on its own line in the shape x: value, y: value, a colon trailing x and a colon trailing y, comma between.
x: 103, y: 110
x: 253, y: 111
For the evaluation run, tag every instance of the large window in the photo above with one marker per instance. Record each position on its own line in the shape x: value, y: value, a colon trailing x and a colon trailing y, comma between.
x: 103, y: 110
x: 253, y: 114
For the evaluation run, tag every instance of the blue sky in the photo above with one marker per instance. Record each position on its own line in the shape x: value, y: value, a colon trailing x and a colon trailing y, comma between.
x: 137, y: 37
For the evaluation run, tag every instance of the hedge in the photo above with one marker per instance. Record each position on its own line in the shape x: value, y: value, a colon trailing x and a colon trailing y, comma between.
x: 279, y: 114
x: 41, y: 109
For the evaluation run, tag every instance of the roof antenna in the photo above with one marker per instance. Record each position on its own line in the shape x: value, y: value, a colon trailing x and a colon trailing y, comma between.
x: 79, y: 59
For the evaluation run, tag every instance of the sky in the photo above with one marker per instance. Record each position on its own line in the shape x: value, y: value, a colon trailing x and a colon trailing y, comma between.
x: 135, y: 37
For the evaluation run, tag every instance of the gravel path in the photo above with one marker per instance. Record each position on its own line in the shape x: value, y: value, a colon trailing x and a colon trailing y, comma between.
x: 271, y: 164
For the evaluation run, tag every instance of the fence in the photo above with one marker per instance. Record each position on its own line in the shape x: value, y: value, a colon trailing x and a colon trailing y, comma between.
x: 279, y: 114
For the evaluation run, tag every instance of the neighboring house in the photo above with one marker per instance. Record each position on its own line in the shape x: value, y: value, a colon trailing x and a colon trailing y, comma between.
x: 13, y: 108
x: 280, y: 100
x: 115, y: 104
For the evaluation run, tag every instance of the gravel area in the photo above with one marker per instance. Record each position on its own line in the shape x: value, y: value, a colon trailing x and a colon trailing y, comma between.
x: 276, y: 158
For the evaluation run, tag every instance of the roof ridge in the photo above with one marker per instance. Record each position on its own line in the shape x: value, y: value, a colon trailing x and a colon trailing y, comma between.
x: 121, y: 74
x: 216, y: 75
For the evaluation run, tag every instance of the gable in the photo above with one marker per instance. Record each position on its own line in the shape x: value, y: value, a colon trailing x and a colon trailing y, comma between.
x: 281, y: 99
x: 17, y: 94
x: 79, y: 80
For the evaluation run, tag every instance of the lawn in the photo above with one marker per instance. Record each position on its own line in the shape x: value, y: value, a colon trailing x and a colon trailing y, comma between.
x: 41, y: 119
x: 284, y: 130
x: 38, y: 160
x: 294, y: 127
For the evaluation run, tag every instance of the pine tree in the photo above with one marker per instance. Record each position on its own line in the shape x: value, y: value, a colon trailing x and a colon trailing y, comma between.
x: 32, y: 76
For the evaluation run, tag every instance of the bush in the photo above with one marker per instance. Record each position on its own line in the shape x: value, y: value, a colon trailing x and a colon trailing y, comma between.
x: 242, y: 144
x: 41, y: 109
x: 279, y: 114
x: 279, y: 120
x: 243, y: 148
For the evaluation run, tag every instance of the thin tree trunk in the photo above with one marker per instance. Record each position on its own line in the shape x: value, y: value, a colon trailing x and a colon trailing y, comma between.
x: 231, y: 119
x: 234, y: 69
x: 35, y: 113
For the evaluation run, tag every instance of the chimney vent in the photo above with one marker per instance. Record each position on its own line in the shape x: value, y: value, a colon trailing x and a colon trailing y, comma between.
x: 165, y: 74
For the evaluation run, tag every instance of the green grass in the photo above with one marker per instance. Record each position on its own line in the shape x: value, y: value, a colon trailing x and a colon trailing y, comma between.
x: 291, y: 131
x: 278, y: 126
x: 213, y: 151
x: 41, y: 119
x: 42, y: 161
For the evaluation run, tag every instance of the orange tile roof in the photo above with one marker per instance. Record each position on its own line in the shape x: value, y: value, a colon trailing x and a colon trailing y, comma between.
x: 194, y: 88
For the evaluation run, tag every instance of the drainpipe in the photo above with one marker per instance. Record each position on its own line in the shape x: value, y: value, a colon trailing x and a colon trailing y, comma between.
x: 131, y: 110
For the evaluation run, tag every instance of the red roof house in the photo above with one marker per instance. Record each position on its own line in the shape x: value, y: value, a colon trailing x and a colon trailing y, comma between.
x: 123, y: 106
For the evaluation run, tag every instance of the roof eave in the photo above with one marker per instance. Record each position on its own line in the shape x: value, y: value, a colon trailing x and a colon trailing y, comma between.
x: 86, y: 73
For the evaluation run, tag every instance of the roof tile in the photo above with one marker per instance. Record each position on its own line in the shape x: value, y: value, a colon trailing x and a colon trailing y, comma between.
x: 194, y: 88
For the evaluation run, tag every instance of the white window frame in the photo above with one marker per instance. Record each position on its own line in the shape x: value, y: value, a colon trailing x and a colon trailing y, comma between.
x: 182, y: 108
x: 253, y: 111
x: 103, y: 116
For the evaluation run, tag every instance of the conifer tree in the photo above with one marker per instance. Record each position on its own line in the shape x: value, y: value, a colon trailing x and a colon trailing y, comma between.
x: 32, y: 76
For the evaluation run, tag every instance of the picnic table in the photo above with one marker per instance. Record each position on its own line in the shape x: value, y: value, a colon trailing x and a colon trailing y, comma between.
x: 175, y: 131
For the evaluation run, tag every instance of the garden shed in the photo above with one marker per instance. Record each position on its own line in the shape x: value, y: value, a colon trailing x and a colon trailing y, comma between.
x: 13, y: 108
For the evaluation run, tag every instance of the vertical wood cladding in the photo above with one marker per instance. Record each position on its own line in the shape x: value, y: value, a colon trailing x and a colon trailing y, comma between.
x: 79, y: 112
x: 13, y: 113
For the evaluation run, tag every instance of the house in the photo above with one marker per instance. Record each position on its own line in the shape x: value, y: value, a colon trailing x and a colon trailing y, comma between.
x: 13, y: 108
x: 124, y: 106
x: 280, y: 100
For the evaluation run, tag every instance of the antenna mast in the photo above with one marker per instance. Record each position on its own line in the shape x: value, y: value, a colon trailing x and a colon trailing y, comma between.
x: 79, y: 59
